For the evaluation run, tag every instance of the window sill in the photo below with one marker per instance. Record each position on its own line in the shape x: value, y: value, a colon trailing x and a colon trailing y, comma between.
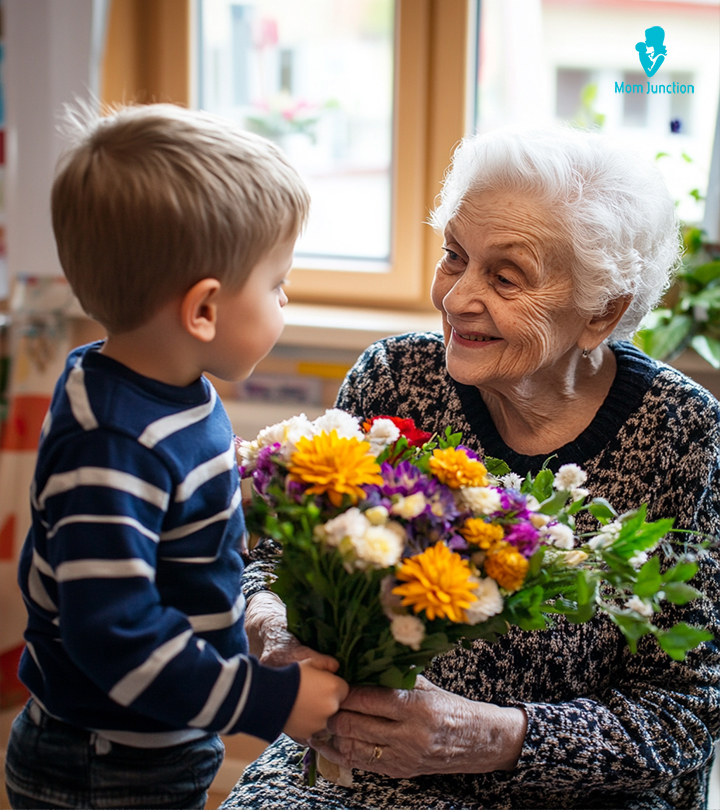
x: 348, y: 327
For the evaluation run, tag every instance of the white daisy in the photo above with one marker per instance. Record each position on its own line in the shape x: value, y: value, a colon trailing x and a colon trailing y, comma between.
x: 569, y: 477
x: 379, y: 546
x: 479, y: 500
x: 559, y: 535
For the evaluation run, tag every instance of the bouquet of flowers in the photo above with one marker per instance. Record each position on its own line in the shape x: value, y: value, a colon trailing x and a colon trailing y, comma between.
x: 398, y: 544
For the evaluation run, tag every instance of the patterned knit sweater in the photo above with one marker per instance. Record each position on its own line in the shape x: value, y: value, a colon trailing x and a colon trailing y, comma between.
x: 606, y: 729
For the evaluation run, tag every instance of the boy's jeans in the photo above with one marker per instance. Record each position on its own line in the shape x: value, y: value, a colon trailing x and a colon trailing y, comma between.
x: 52, y: 764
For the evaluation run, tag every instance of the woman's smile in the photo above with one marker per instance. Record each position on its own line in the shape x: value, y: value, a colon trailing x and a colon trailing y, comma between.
x: 474, y: 340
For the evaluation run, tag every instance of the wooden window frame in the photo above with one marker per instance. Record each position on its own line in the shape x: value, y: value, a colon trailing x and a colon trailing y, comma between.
x: 149, y: 56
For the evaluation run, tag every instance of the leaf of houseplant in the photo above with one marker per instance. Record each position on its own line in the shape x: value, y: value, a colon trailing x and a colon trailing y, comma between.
x: 708, y: 348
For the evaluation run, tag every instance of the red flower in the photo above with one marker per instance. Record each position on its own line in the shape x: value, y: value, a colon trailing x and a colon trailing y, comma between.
x: 415, y: 436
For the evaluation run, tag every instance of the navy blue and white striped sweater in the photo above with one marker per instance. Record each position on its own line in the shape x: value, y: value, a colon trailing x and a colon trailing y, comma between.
x: 131, y: 569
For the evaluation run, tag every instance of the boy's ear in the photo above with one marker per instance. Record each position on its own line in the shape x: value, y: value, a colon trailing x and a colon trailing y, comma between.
x: 198, y: 309
x: 600, y: 327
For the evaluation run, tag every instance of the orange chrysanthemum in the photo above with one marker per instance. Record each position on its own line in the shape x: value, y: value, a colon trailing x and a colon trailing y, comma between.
x: 456, y: 469
x: 437, y: 581
x: 480, y: 533
x: 507, y: 566
x: 334, y: 466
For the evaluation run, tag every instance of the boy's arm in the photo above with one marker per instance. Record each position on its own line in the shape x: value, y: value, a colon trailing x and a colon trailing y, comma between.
x: 105, y: 512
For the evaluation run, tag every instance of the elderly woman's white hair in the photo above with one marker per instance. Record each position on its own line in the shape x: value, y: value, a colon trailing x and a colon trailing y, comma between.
x: 612, y: 209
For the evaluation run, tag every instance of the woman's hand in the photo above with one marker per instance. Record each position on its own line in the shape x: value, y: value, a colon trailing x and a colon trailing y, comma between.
x: 426, y: 730
x: 269, y: 639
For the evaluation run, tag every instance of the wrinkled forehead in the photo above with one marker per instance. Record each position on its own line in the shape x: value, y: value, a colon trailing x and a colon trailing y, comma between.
x: 510, y: 218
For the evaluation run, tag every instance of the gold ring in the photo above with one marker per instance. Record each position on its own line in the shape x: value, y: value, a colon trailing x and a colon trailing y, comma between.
x: 377, y: 753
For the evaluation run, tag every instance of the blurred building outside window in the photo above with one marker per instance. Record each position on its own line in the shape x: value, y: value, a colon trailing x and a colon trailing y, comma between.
x: 540, y: 61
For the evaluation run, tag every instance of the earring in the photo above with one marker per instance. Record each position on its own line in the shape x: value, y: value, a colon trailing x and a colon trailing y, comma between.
x: 586, y: 353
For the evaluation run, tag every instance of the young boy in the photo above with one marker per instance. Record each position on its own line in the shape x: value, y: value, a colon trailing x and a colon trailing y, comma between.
x: 176, y: 231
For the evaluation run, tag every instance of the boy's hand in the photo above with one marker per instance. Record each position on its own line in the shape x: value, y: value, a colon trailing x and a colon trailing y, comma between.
x: 318, y: 698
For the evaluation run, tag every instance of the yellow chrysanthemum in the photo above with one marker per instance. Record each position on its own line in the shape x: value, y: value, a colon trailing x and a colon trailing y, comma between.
x: 507, y: 566
x: 456, y: 469
x: 480, y: 533
x: 333, y: 465
x: 437, y: 581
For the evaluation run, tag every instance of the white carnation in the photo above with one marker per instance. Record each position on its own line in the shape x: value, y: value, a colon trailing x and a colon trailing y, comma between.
x: 569, y: 477
x: 579, y: 492
x: 382, y: 433
x: 350, y: 525
x: 247, y: 453
x: 488, y: 601
x: 286, y: 433
x: 408, y: 630
x: 346, y: 426
x: 511, y: 481
x: 379, y: 546
x: 479, y: 500
x: 640, y: 606
x: 559, y: 535
x: 409, y: 507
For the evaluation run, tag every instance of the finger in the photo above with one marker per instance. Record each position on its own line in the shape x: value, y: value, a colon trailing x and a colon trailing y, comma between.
x: 361, y: 727
x: 377, y: 701
x: 317, y: 660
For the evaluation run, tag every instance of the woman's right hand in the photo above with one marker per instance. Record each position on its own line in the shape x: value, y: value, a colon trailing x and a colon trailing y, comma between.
x: 269, y: 639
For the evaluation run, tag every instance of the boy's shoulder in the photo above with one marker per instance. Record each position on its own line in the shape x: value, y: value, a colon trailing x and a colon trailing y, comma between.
x: 97, y: 393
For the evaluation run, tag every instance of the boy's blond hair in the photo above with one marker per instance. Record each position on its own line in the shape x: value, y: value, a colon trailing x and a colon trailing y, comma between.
x: 149, y: 200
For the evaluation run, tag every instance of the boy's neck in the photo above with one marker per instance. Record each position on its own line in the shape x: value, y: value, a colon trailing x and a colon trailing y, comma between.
x: 158, y: 349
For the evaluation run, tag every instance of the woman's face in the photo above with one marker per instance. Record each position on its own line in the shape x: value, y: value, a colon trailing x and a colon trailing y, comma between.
x: 505, y: 292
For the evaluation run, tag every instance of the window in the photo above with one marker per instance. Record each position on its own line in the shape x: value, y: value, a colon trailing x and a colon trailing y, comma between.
x: 346, y: 89
x: 547, y: 60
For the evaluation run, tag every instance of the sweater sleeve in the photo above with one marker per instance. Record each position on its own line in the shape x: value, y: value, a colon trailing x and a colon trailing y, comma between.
x: 105, y: 508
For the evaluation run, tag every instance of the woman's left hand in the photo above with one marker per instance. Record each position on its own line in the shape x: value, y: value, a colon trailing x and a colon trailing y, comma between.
x: 405, y: 733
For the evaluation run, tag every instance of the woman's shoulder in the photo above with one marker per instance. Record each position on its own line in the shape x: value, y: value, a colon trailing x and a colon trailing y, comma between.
x: 669, y: 394
x: 421, y: 348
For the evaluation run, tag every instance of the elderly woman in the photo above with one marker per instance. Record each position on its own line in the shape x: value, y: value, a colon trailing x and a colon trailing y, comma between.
x: 555, y: 246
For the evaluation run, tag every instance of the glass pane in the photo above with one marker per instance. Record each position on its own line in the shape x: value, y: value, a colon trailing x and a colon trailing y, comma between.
x: 316, y: 77
x: 544, y: 60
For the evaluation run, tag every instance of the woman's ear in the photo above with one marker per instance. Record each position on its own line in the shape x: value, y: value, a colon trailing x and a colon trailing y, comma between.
x: 600, y: 327
x: 198, y: 309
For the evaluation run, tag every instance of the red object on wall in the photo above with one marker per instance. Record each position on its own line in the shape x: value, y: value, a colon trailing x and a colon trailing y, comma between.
x: 7, y: 538
x: 21, y: 431
x: 12, y: 691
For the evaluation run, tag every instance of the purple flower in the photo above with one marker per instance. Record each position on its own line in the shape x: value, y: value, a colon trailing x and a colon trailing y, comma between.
x: 405, y: 479
x: 525, y: 537
x: 265, y: 467
x: 458, y: 543
x: 468, y: 452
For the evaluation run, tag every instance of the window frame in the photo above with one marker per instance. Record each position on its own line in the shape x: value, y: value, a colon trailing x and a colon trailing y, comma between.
x: 151, y: 56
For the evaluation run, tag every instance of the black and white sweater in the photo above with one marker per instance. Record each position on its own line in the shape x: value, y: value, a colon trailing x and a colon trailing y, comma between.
x: 606, y: 729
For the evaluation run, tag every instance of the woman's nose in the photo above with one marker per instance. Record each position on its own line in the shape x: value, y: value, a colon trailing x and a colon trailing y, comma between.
x: 466, y: 295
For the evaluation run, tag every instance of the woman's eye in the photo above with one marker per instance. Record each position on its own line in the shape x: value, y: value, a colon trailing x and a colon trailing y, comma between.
x: 452, y: 255
x: 504, y: 280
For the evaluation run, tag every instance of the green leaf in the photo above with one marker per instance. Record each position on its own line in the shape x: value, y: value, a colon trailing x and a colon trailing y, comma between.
x: 632, y: 627
x: 662, y: 155
x: 496, y: 466
x: 662, y: 341
x: 679, y: 593
x: 708, y: 348
x: 649, y: 579
x: 686, y: 157
x: 543, y: 485
x: 602, y: 510
x: 681, y: 638
x: 681, y: 572
x: 705, y: 273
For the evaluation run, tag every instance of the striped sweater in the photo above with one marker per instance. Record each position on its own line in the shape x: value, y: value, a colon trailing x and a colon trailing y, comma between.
x: 131, y: 569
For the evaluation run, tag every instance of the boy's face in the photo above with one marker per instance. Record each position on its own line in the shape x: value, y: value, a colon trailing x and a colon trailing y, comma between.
x: 250, y: 321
